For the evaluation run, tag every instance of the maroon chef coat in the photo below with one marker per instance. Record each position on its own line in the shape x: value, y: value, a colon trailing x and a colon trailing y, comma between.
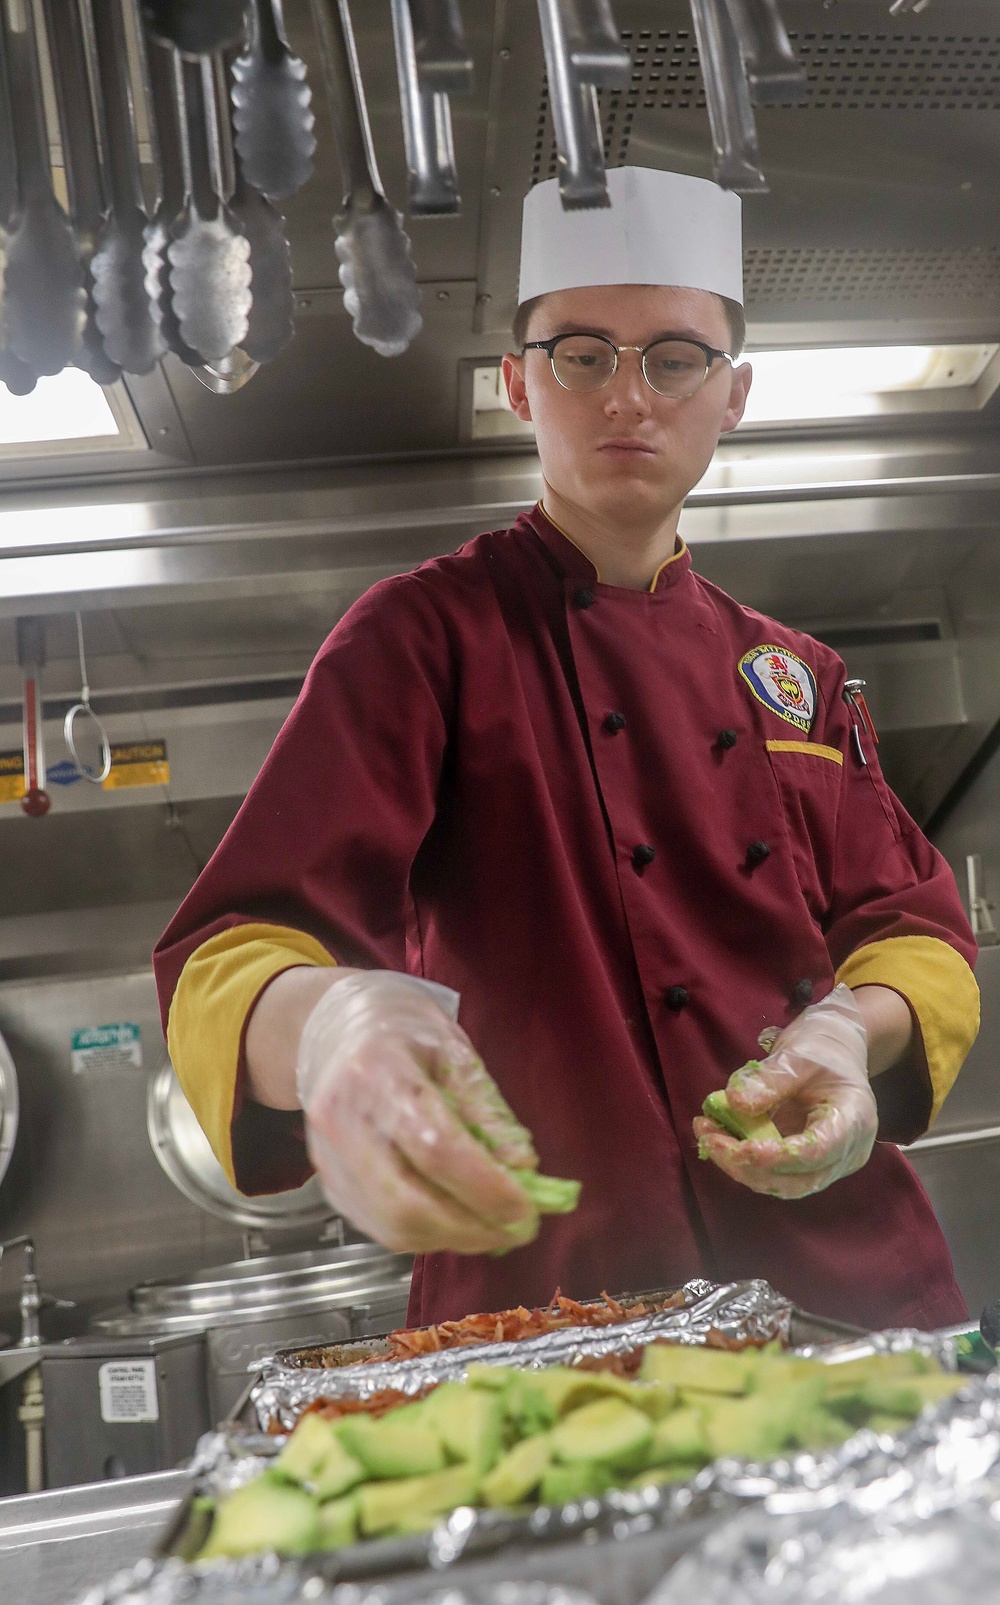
x: 508, y: 777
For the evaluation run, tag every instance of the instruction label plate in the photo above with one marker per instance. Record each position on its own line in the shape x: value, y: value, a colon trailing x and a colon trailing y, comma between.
x: 128, y: 1391
x: 106, y: 1047
x: 138, y: 763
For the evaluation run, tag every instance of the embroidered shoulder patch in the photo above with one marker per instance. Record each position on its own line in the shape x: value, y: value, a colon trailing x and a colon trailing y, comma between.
x: 783, y: 683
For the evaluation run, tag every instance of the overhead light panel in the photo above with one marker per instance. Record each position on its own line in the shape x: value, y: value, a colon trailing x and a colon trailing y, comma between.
x: 831, y: 382
x: 66, y: 414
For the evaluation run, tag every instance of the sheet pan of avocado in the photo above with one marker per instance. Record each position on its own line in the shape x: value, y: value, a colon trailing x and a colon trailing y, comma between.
x: 508, y: 1440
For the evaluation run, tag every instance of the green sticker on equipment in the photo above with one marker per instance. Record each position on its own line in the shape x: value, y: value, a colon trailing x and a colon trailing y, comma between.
x: 98, y: 1048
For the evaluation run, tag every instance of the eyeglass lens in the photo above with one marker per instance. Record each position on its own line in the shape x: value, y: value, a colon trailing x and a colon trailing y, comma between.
x: 586, y: 362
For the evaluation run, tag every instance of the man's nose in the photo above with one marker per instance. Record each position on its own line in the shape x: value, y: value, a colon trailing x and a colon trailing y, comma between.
x: 627, y: 389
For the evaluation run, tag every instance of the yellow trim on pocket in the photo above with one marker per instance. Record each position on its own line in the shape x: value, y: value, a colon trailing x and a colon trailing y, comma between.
x: 812, y: 749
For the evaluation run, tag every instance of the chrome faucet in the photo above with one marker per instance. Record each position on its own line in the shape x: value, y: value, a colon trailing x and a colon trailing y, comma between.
x: 32, y: 1301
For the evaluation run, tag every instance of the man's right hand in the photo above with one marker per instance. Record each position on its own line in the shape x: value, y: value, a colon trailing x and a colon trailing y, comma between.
x: 392, y: 1089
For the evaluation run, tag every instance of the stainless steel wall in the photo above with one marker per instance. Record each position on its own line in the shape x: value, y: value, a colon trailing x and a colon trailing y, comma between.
x: 84, y: 1181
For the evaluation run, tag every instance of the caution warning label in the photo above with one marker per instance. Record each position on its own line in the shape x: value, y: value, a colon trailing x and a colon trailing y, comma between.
x: 138, y: 763
x: 12, y: 787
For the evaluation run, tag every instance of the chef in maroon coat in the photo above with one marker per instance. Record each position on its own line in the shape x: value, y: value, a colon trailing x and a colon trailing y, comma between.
x: 629, y: 825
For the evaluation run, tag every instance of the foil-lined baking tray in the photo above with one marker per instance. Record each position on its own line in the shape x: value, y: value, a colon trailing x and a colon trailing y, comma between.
x: 950, y: 1453
x: 736, y: 1313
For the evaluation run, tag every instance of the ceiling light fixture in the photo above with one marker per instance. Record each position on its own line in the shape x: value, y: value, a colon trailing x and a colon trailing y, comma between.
x: 831, y: 382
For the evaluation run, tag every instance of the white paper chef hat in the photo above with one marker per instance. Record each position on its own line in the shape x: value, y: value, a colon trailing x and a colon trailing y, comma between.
x: 661, y: 228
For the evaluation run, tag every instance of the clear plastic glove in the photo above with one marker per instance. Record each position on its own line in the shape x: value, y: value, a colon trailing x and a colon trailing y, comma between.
x: 814, y: 1083
x: 392, y: 1090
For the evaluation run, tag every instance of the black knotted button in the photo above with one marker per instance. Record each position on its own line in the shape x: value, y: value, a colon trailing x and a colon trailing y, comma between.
x: 757, y: 852
x: 727, y: 739
x: 583, y: 597
x: 614, y: 722
x: 641, y: 856
x: 677, y: 997
x: 802, y: 993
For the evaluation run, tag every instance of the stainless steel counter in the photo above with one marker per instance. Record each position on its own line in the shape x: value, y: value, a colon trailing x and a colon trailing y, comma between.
x: 56, y: 1544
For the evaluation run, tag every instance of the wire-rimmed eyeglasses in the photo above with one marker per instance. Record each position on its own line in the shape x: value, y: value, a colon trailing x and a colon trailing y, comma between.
x: 671, y: 366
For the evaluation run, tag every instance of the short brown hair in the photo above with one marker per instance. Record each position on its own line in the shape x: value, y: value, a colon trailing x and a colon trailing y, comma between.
x: 735, y: 317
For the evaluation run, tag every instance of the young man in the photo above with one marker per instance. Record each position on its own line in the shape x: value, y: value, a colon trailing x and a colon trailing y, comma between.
x: 631, y: 824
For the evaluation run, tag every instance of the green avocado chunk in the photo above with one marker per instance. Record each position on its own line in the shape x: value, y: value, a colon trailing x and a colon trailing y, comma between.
x: 338, y: 1522
x: 582, y: 1480
x: 551, y: 1195
x: 266, y: 1514
x: 609, y: 1430
x: 469, y: 1422
x: 711, y: 1370
x: 306, y: 1449
x: 519, y: 1472
x: 400, y: 1444
x: 679, y: 1437
x: 383, y: 1506
x: 757, y: 1427
x: 749, y: 1128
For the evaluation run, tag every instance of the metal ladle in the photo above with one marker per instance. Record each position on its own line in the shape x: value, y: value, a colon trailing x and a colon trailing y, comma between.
x: 97, y: 777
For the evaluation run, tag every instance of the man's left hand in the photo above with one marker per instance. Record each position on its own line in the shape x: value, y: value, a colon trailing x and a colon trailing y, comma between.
x: 814, y: 1083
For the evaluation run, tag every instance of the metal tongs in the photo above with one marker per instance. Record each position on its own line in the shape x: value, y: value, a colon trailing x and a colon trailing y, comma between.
x: 583, y: 53
x: 727, y: 95
x: 376, y: 265
x: 431, y: 62
x: 773, y: 70
x: 96, y: 776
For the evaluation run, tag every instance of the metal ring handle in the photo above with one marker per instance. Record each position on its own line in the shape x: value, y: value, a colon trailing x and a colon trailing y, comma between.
x: 99, y: 778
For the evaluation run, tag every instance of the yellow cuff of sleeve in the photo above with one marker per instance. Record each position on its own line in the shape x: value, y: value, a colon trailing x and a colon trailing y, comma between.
x: 218, y: 986
x: 939, y: 987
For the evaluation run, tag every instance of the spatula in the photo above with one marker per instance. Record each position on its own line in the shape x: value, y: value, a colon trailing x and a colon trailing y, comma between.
x: 774, y: 72
x: 44, y: 301
x: 427, y: 133
x: 272, y: 115
x: 124, y: 316
x: 730, y: 114
x: 209, y: 256
x: 376, y: 262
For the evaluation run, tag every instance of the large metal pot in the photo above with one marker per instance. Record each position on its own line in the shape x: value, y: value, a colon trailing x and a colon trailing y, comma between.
x: 249, y: 1308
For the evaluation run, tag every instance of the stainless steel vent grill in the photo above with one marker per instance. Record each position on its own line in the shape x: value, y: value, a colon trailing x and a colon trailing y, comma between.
x: 846, y: 72
x: 829, y: 276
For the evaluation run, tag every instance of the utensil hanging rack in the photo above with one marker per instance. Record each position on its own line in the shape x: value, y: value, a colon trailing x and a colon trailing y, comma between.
x: 188, y: 254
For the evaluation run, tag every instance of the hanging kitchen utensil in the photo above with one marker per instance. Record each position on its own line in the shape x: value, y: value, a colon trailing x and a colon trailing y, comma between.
x: 444, y: 64
x: 773, y: 70
x: 227, y: 375
x: 97, y: 776
x: 427, y: 135
x: 376, y: 263
x: 272, y: 115
x: 44, y: 301
x: 196, y: 27
x: 16, y: 375
x: 163, y: 110
x: 730, y: 115
x: 70, y: 43
x: 271, y: 320
x: 132, y: 335
x: 209, y: 257
x: 583, y: 53
x: 31, y: 657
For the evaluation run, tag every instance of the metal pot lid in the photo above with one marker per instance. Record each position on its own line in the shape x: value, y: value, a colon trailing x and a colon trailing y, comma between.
x: 284, y: 1282
x: 186, y: 1156
x: 9, y: 1108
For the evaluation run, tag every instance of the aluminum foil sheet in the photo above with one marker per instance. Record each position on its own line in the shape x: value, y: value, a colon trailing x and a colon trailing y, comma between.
x: 741, y: 1312
x: 267, y: 1582
x: 915, y: 1521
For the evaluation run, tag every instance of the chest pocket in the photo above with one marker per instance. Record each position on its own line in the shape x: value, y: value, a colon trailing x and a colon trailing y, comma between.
x: 808, y: 778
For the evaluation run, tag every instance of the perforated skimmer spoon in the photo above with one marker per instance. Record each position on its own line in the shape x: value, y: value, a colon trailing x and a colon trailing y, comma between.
x: 132, y: 335
x: 44, y: 301
x: 272, y: 119
x: 209, y: 256
x: 376, y: 264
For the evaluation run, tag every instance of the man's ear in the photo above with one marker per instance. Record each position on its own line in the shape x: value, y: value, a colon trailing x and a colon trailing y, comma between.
x: 739, y: 389
x: 517, y: 395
